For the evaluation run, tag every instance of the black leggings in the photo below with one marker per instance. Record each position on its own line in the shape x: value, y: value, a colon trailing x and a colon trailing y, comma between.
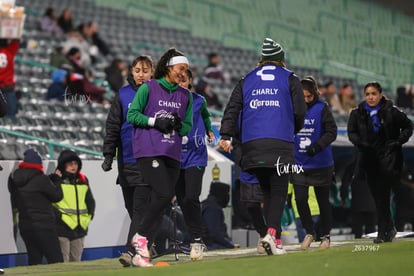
x: 325, y: 209
x: 138, y: 198
x: 188, y: 190
x: 255, y: 212
x: 274, y: 189
x: 161, y: 174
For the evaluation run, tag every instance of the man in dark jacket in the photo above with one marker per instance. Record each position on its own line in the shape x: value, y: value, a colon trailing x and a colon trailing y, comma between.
x: 272, y: 107
x: 33, y: 193
x: 379, y: 129
x: 214, y: 229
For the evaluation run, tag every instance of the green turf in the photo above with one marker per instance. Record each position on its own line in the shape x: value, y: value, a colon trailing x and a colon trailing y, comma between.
x: 391, y: 259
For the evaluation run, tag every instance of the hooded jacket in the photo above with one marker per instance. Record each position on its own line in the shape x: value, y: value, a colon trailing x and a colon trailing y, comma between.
x: 33, y: 193
x: 77, y: 180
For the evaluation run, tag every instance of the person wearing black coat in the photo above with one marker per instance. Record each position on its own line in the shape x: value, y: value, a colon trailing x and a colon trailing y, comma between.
x: 214, y: 229
x: 33, y: 193
x: 379, y: 129
x: 118, y: 142
x: 76, y: 209
x: 313, y: 153
x: 271, y: 106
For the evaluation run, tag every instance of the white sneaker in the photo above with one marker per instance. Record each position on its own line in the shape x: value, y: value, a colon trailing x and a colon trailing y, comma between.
x: 306, y: 242
x: 272, y: 245
x: 142, y: 256
x: 197, y: 251
x: 260, y: 248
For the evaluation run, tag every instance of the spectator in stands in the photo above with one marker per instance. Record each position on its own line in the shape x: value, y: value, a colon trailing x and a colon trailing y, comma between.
x: 80, y: 81
x: 8, y: 51
x: 58, y: 58
x: 267, y: 142
x: 91, y: 34
x: 116, y: 74
x: 33, y: 193
x: 214, y: 228
x: 405, y: 96
x: 48, y: 22
x: 332, y: 98
x: 362, y: 202
x: 204, y: 89
x: 162, y: 114
x: 65, y: 21
x: 193, y: 163
x: 313, y: 152
x: 314, y: 211
x: 76, y: 210
x: 117, y: 142
x: 75, y: 40
x: 57, y: 88
x: 214, y: 71
x: 347, y: 97
x: 378, y: 130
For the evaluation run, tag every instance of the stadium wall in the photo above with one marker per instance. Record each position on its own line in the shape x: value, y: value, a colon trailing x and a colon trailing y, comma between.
x: 108, y: 230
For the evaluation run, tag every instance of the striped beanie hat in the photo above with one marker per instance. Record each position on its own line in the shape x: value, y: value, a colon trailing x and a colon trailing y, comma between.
x: 272, y: 51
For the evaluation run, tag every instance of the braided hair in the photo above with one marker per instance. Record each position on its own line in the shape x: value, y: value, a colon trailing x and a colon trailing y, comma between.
x: 162, y: 68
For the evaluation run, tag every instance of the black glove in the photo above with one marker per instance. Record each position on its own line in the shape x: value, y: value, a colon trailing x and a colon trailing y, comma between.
x: 1, y: 168
x: 165, y: 125
x: 107, y: 163
x: 313, y: 150
x: 177, y: 121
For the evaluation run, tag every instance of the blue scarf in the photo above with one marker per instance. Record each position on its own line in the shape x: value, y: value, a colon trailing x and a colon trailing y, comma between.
x: 373, y: 113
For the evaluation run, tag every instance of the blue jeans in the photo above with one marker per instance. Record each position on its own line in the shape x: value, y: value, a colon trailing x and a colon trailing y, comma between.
x: 300, y: 230
x: 11, y: 103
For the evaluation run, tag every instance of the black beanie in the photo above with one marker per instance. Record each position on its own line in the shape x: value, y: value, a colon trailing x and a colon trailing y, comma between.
x: 32, y: 156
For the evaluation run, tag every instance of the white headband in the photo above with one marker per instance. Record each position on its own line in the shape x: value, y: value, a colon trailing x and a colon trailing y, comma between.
x: 177, y: 60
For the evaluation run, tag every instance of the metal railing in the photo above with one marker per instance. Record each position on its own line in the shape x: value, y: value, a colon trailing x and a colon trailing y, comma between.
x: 50, y: 144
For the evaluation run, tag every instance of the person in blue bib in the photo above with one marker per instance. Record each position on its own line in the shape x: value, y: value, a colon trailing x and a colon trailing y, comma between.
x: 193, y: 163
x: 162, y: 113
x: 271, y: 106
x: 313, y: 154
x: 118, y: 142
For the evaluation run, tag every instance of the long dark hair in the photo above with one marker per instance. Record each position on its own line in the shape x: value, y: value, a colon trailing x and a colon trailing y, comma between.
x: 143, y: 59
x: 162, y: 68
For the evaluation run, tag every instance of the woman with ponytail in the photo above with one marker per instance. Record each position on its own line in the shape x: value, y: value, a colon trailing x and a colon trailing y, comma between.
x: 162, y: 114
x: 313, y: 153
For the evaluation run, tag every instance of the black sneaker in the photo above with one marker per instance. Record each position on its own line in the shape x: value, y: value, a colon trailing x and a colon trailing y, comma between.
x: 380, y: 238
x: 390, y: 235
